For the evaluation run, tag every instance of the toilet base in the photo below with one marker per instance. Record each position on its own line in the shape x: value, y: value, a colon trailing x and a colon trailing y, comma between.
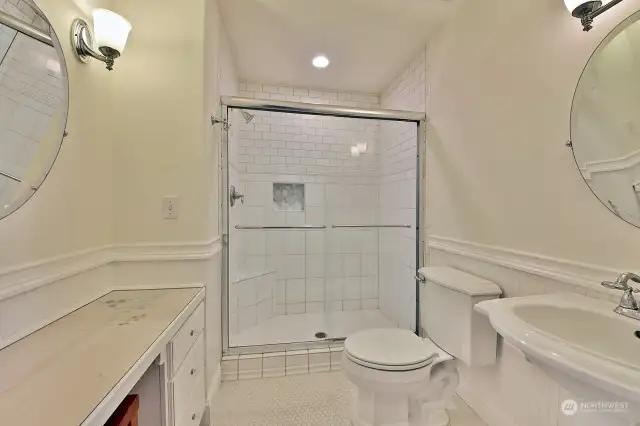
x: 435, y: 418
x: 410, y: 398
x: 423, y: 417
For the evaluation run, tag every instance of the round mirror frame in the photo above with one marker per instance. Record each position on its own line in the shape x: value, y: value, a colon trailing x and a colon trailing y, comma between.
x: 624, y: 24
x: 25, y: 196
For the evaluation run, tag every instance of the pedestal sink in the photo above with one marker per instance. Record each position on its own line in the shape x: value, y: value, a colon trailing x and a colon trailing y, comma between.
x: 583, y: 345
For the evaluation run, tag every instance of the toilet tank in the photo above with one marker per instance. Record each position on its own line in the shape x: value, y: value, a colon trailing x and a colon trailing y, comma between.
x: 448, y: 318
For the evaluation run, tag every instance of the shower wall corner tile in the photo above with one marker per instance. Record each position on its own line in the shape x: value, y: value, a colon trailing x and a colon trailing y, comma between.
x: 351, y: 305
x: 295, y: 308
x: 369, y: 304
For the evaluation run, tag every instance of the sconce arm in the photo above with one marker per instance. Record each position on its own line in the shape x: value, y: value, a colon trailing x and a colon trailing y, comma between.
x: 587, y: 19
x: 80, y: 33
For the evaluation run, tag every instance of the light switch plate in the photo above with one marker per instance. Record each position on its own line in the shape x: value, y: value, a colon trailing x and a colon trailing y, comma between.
x: 170, y: 207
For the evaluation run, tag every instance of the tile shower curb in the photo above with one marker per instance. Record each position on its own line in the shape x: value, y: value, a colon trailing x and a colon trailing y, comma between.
x: 280, y: 364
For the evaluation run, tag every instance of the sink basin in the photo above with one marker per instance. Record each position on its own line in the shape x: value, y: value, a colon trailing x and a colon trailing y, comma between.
x: 580, y: 343
x: 604, y: 337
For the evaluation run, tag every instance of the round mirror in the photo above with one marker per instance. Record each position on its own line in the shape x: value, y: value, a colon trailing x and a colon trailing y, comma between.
x: 605, y: 121
x: 33, y: 101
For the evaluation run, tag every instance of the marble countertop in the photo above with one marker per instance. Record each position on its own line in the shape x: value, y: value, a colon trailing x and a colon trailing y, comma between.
x: 58, y: 375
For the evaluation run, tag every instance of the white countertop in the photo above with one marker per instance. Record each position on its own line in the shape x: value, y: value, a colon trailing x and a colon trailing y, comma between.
x: 60, y: 375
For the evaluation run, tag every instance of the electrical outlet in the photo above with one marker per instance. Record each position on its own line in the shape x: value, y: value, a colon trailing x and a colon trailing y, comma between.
x: 170, y: 207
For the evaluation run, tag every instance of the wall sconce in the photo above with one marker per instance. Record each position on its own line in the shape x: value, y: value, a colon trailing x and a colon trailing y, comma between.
x: 111, y: 32
x: 586, y: 10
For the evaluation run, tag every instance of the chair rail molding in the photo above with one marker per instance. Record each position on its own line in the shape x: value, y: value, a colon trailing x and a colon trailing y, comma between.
x: 32, y: 275
x: 584, y: 275
x: 613, y: 164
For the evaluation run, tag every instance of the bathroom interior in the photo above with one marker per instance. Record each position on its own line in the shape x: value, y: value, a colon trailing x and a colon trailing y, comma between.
x: 303, y: 212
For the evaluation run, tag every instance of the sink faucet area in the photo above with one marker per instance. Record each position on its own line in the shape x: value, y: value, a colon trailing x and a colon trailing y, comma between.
x: 588, y: 346
x: 628, y: 305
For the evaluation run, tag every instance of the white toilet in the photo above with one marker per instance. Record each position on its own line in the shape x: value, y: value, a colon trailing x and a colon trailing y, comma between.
x: 405, y: 380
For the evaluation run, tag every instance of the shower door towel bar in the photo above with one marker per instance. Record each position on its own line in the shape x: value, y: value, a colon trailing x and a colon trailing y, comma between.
x: 282, y: 227
x: 371, y: 226
x: 16, y: 179
x: 25, y: 28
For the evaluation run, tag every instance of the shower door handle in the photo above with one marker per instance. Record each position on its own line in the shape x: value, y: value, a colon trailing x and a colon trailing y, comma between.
x: 234, y: 196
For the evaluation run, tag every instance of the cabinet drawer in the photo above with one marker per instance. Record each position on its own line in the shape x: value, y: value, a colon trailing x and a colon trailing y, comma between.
x: 192, y: 413
x: 189, y: 375
x: 185, y: 338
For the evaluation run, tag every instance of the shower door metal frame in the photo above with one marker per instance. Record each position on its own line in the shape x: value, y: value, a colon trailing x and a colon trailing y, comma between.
x: 419, y: 118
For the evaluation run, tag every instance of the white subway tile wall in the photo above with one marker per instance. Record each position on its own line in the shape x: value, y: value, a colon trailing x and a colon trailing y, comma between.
x: 31, y: 92
x: 316, y: 270
x: 397, y: 195
x: 251, y: 301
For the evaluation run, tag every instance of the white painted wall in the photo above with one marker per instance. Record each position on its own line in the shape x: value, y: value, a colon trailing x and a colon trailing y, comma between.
x: 503, y: 190
x: 135, y: 135
x: 500, y: 106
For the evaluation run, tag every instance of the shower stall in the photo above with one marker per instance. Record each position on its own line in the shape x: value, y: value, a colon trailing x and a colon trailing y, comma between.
x: 323, y: 222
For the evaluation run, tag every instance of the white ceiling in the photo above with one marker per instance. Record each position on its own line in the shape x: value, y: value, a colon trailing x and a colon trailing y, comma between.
x: 367, y: 41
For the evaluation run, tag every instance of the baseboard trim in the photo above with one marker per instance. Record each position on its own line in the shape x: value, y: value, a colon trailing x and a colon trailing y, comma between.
x: 215, y: 384
x: 567, y: 271
x: 488, y: 413
x: 211, y: 393
x: 30, y: 276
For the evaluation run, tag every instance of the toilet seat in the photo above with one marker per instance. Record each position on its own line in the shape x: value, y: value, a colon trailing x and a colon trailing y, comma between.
x: 389, y: 349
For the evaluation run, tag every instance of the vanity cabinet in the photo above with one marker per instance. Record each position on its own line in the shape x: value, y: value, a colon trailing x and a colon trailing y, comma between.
x: 78, y: 369
x: 185, y: 371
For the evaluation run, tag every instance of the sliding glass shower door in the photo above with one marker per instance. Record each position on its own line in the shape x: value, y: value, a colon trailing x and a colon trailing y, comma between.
x: 313, y: 251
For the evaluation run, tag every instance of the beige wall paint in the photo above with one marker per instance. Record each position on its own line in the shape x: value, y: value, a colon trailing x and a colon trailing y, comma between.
x: 136, y: 134
x: 502, y: 81
x: 502, y: 78
x: 158, y: 101
x: 72, y: 209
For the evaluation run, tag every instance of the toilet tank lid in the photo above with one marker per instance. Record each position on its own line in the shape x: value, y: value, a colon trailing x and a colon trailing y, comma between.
x: 463, y: 282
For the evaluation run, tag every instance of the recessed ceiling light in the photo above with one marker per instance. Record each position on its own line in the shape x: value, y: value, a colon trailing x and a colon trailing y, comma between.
x: 320, y: 62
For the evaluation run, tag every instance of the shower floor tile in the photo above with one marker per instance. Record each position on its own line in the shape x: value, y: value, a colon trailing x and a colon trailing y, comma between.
x: 302, y: 327
x: 309, y: 400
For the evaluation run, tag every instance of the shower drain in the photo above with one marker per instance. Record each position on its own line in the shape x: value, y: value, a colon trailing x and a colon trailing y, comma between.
x: 321, y: 335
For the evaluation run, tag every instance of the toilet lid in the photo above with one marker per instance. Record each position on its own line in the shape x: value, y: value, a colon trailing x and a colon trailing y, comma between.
x: 388, y: 349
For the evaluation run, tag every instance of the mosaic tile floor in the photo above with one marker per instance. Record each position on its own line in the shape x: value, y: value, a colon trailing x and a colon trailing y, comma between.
x: 304, y: 400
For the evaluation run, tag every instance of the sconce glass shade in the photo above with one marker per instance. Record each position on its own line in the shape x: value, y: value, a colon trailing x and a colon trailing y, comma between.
x: 110, y: 29
x: 573, y: 4
x: 579, y: 8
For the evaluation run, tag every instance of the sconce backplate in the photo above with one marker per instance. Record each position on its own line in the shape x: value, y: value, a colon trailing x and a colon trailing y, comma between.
x: 81, y: 37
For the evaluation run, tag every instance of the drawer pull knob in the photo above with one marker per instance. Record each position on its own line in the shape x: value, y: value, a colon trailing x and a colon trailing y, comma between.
x: 193, y: 417
x: 192, y: 333
x: 193, y: 371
